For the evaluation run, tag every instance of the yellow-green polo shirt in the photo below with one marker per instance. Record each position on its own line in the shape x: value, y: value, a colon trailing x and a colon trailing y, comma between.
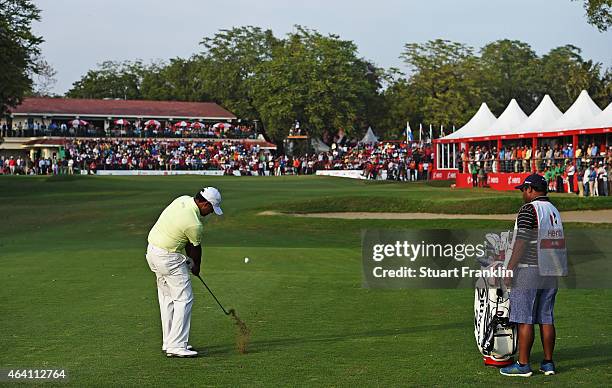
x: 179, y: 223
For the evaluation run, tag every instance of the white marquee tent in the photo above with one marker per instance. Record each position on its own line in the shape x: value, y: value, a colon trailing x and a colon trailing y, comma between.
x: 369, y: 138
x: 546, y: 120
x: 581, y: 111
x: 479, y: 123
x: 546, y: 112
x: 602, y: 120
x: 509, y: 120
x: 584, y: 117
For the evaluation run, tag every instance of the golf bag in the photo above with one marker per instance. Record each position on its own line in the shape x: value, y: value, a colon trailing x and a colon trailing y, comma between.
x: 496, y: 337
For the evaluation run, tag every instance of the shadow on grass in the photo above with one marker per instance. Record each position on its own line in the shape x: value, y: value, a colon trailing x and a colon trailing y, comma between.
x: 580, y: 357
x: 260, y: 346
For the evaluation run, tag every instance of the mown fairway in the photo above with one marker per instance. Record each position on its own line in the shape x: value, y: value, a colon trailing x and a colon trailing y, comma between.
x: 77, y: 293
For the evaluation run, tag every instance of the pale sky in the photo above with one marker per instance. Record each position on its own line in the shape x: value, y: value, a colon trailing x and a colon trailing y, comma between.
x: 81, y: 33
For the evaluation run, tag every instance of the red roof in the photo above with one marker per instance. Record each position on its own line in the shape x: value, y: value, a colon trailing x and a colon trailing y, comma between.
x: 122, y: 108
x: 45, y: 141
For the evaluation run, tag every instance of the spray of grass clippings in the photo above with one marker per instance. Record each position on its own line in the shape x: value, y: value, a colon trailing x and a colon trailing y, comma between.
x: 243, y: 333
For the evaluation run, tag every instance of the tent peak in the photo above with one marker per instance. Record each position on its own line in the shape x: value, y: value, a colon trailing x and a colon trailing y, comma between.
x: 581, y: 111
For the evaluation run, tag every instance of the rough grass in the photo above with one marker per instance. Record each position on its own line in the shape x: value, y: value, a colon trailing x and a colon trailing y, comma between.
x: 494, y: 205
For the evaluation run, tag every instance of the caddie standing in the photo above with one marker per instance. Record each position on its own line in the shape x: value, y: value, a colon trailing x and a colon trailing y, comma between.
x: 538, y: 258
x: 179, y: 229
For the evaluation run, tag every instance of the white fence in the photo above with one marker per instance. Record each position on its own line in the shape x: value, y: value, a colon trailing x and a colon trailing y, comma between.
x: 353, y: 174
x: 159, y: 172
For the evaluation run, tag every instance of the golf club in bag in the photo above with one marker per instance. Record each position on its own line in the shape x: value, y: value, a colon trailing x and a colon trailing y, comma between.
x: 496, y: 336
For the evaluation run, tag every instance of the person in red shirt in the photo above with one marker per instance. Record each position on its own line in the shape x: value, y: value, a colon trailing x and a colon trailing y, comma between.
x: 12, y: 165
x: 296, y: 166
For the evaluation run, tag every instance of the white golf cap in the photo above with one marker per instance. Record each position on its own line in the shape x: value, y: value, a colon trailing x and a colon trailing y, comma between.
x: 213, y: 196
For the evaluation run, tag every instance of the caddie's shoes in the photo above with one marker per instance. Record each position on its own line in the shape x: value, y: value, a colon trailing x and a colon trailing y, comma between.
x: 516, y: 370
x: 181, y: 352
x: 548, y: 368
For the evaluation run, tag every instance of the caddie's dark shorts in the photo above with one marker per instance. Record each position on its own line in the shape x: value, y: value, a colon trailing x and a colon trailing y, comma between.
x: 532, y: 297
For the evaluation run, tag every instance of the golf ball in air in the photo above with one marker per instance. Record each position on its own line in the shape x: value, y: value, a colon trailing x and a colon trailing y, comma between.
x: 246, y: 260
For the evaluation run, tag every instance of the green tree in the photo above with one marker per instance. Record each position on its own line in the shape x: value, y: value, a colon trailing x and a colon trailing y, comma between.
x: 314, y: 79
x: 445, y: 79
x: 604, y: 97
x: 375, y: 108
x: 43, y: 79
x: 228, y: 63
x: 111, y: 80
x: 401, y: 105
x: 180, y: 79
x: 19, y: 48
x: 599, y: 13
x: 509, y: 71
x: 564, y: 73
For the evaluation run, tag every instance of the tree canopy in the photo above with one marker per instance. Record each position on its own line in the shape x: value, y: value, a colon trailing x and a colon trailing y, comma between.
x: 599, y: 13
x: 19, y: 49
x: 322, y: 81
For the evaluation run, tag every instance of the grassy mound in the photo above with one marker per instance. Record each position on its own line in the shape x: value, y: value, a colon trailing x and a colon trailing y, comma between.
x: 492, y: 205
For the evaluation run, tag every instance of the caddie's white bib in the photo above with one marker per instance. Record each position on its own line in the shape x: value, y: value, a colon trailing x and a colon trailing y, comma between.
x: 552, y: 254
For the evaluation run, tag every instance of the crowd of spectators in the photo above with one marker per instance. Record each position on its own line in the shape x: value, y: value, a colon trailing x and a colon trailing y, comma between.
x: 520, y: 158
x: 135, y: 129
x: 151, y: 154
x: 585, y: 173
x: 400, y: 160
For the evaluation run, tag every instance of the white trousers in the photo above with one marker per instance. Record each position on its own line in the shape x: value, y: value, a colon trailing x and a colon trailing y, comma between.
x: 174, y: 293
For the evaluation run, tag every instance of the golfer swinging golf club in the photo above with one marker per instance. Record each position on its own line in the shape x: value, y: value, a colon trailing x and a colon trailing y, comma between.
x: 179, y: 228
x: 538, y: 258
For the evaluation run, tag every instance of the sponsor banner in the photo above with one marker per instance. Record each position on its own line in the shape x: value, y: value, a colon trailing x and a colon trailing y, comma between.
x: 464, y: 180
x: 158, y: 172
x: 443, y: 175
x: 496, y: 181
x: 506, y: 181
x: 354, y: 174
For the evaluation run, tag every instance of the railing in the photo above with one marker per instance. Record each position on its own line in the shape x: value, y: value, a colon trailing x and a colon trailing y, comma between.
x: 97, y: 132
x: 530, y: 165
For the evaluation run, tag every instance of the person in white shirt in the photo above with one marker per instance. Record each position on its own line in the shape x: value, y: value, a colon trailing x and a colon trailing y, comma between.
x: 571, y: 170
x: 585, y: 181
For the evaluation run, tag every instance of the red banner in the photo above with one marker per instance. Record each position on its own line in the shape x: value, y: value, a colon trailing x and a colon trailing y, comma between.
x: 505, y: 181
x: 552, y: 244
x: 496, y: 181
x: 464, y: 180
x: 442, y: 175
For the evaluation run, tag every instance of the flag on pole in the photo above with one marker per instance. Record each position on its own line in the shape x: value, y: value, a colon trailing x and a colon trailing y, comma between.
x: 409, y: 136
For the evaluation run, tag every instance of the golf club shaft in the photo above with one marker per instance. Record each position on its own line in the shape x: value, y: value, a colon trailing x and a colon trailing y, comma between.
x: 213, y: 295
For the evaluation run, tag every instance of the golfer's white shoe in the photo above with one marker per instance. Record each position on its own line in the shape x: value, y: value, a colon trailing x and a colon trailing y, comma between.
x: 164, y: 350
x: 181, y: 352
